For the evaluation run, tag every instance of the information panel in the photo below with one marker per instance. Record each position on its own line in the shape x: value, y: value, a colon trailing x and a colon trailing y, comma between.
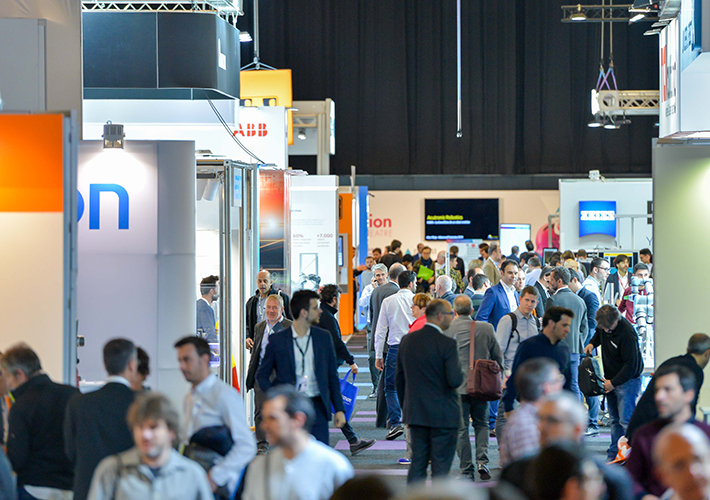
x: 461, y: 219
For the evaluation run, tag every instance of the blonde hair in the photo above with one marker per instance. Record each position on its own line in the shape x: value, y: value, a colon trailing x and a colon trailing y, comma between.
x: 421, y: 300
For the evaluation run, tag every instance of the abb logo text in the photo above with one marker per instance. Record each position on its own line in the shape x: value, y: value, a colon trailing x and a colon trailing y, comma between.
x: 596, y: 215
x: 251, y: 130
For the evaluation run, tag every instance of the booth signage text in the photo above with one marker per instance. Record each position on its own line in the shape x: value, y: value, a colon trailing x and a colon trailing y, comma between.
x: 597, y: 217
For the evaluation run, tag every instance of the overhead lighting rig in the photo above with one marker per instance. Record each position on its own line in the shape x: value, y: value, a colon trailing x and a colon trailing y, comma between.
x: 605, y: 13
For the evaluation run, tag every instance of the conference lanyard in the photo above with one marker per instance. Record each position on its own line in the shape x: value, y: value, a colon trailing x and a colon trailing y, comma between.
x: 303, y: 353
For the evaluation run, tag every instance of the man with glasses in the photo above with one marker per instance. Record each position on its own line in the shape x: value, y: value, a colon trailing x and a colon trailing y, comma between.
x: 623, y: 365
x: 598, y: 274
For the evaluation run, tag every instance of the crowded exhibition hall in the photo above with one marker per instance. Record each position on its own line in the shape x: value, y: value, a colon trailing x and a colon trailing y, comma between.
x: 354, y: 250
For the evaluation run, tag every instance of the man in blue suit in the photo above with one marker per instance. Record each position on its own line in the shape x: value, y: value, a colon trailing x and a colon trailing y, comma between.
x: 502, y: 298
x: 303, y: 356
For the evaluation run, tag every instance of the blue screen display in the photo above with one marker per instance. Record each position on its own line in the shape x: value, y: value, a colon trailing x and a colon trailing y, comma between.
x: 597, y: 217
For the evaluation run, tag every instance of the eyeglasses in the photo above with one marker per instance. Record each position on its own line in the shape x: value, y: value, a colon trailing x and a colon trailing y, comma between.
x: 448, y: 313
x: 605, y: 268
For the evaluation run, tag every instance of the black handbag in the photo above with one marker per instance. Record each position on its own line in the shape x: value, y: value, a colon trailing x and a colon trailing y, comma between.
x: 591, y: 382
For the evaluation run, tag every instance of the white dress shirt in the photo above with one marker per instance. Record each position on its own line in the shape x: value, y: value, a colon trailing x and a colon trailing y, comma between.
x: 268, y: 330
x: 395, y: 315
x: 364, y: 301
x: 532, y: 277
x: 214, y: 403
x: 593, y: 285
x: 304, y: 361
x: 510, y: 293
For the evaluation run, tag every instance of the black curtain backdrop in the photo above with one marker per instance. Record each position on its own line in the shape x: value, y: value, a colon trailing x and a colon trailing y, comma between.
x: 390, y: 66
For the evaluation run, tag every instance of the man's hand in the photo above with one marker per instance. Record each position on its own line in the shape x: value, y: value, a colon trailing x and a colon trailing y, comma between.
x: 507, y: 414
x: 340, y: 419
x: 354, y: 368
x: 588, y: 350
x: 380, y: 364
x: 608, y: 386
x: 250, y: 344
x: 213, y: 485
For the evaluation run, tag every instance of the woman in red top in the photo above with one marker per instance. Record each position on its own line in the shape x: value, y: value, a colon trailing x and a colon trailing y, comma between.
x: 419, y: 303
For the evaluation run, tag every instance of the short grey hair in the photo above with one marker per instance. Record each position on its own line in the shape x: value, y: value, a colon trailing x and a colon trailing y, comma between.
x: 463, y: 305
x: 568, y: 407
x: 445, y: 282
x: 379, y: 267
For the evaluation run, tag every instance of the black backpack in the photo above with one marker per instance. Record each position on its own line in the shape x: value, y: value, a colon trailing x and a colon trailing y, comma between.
x: 591, y: 382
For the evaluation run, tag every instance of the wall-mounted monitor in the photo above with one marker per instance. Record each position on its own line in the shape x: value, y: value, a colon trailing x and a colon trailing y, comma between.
x: 514, y: 235
x: 461, y: 219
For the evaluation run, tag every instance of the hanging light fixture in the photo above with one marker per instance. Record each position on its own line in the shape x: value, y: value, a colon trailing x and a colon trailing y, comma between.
x: 113, y: 135
x: 578, y: 15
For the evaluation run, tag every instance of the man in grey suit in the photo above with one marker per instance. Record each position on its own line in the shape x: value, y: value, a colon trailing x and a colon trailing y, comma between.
x: 274, y: 323
x: 564, y: 297
x: 209, y: 289
x: 490, y: 266
x: 485, y: 347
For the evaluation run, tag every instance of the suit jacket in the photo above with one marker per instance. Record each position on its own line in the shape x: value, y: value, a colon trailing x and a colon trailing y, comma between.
x: 280, y: 359
x: 253, y: 303
x: 491, y: 270
x: 592, y: 302
x: 427, y: 376
x: 613, y: 280
x: 206, y: 321
x: 544, y: 295
x: 485, y: 344
x: 579, y: 329
x: 378, y: 295
x: 329, y: 322
x: 495, y: 305
x: 390, y: 258
x: 259, y: 330
x: 95, y: 427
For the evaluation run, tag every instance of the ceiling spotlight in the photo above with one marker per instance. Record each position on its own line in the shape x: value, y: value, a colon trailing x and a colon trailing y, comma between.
x: 244, y: 36
x: 113, y: 136
x: 637, y: 17
x: 654, y: 31
x: 302, y: 134
x: 578, y: 15
x: 611, y: 125
x: 596, y: 123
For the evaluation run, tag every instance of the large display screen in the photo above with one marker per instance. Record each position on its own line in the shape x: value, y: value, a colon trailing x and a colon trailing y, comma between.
x: 461, y: 219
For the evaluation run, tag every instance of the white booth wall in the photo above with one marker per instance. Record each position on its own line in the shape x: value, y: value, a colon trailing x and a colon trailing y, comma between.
x: 137, y: 254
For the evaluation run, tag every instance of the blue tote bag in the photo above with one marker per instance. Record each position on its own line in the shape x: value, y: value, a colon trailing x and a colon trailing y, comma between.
x: 349, y: 391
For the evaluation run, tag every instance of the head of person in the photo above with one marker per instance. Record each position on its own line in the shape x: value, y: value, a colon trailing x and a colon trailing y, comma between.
x: 143, y: 369
x: 556, y: 322
x: 408, y: 261
x: 524, y: 258
x: 559, y: 279
x: 674, y: 391
x: 494, y: 252
x: 369, y: 261
x: 581, y: 253
x: 425, y: 253
x: 483, y: 250
x: 571, y: 264
x: 395, y: 245
x: 443, y: 285
x: 699, y: 347
x: 440, y: 313
x: 154, y: 423
x: 528, y: 300
x: 621, y: 262
x: 330, y: 294
x: 520, y: 281
x: 194, y: 358
x: 607, y: 317
x: 4, y: 384
x: 419, y: 304
x: 369, y: 486
x: 453, y: 251
x: 514, y: 250
x: 376, y: 253
x: 19, y: 364
x: 420, y: 246
x: 641, y: 271
x: 463, y: 307
x: 536, y: 377
x: 264, y: 282
x: 509, y: 272
x: 469, y: 277
x: 567, y: 254
x: 407, y: 279
x: 563, y: 471
x: 209, y: 288
x: 555, y: 261
x: 380, y: 274
x: 599, y: 269
x: 274, y: 307
x: 305, y: 307
x: 534, y: 262
x: 286, y: 416
x: 480, y: 283
x: 395, y: 270
x: 529, y: 246
x: 646, y: 256
x: 121, y: 359
x: 681, y: 455
x: 441, y: 258
x: 546, y: 276
x: 561, y: 417
x: 475, y: 263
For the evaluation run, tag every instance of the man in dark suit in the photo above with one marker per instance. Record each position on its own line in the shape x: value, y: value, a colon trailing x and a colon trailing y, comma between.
x: 428, y: 374
x: 303, y: 356
x: 274, y: 323
x: 95, y: 424
x: 502, y: 298
x: 621, y: 279
x: 575, y: 340
x: 542, y: 285
x: 392, y: 256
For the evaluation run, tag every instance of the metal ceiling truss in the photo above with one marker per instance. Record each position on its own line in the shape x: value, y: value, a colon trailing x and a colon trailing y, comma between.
x: 600, y: 14
x: 229, y: 10
x: 628, y: 102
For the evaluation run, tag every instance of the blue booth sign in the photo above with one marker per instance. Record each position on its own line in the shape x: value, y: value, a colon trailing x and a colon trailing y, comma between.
x: 597, y: 217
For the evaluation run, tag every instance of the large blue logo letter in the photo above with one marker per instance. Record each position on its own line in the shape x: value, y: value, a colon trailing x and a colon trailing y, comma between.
x: 95, y: 204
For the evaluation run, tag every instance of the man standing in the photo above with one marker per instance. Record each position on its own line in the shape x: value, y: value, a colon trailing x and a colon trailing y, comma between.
x: 490, y: 265
x: 95, y: 423
x: 256, y: 305
x: 444, y: 284
x: 35, y: 444
x: 646, y: 257
x: 395, y: 317
x: 502, y: 298
x: 564, y: 297
x: 475, y: 410
x: 597, y: 278
x: 626, y: 306
x: 682, y: 458
x: 514, y: 254
x: 457, y: 261
x: 377, y: 254
x: 428, y: 374
x: 152, y: 469
x: 368, y: 273
x: 206, y: 323
x: 303, y: 356
x: 213, y: 405
x: 483, y: 250
x: 543, y: 289
x: 274, y: 323
x: 379, y: 279
x: 622, y: 368
x: 480, y: 284
x: 620, y: 279
x: 534, y: 272
x: 298, y: 467
x: 392, y: 256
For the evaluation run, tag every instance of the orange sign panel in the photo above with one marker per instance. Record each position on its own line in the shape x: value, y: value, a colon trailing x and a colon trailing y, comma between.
x: 31, y: 163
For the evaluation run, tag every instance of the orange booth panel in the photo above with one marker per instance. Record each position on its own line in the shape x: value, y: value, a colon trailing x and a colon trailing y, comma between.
x: 347, y: 300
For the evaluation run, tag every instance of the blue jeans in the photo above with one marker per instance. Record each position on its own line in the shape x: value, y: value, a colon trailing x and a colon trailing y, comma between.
x: 621, y: 401
x: 394, y: 411
x: 594, y: 405
x: 492, y: 414
x: 574, y: 367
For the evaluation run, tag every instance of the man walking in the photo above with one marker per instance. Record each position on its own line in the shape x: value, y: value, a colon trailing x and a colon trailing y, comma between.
x: 256, y: 305
x: 490, y: 265
x: 502, y: 298
x: 379, y: 279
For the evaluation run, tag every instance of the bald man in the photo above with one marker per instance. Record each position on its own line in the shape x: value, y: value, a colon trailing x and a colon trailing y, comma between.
x: 682, y: 458
x: 256, y: 305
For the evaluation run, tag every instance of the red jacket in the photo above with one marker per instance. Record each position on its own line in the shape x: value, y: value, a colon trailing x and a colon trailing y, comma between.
x: 626, y: 306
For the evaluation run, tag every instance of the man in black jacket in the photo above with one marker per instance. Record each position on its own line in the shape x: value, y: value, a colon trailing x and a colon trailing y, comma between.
x: 427, y: 376
x: 695, y: 359
x: 95, y: 424
x: 623, y: 365
x: 35, y: 445
x: 256, y: 305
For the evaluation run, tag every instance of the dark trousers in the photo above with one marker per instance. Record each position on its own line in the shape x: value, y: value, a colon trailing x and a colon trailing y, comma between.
x: 431, y: 444
x: 320, y: 425
x: 374, y: 372
x: 259, y: 398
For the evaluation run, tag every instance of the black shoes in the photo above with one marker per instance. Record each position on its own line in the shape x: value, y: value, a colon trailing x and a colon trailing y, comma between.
x: 362, y: 444
x: 394, y: 432
x: 483, y: 472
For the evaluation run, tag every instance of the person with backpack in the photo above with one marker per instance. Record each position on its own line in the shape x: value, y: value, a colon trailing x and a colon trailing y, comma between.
x: 512, y: 329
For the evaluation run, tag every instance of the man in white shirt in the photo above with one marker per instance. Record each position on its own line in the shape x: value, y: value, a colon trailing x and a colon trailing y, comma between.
x: 212, y: 403
x: 298, y: 467
x: 598, y: 274
x: 395, y: 316
x: 533, y: 274
x: 379, y: 277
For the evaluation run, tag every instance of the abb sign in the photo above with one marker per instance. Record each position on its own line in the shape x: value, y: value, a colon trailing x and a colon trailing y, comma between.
x: 251, y: 130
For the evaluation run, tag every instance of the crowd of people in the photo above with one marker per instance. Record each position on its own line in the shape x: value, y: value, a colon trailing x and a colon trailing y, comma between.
x: 496, y: 344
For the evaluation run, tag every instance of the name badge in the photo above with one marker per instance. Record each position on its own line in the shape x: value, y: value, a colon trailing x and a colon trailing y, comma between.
x: 302, y: 384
